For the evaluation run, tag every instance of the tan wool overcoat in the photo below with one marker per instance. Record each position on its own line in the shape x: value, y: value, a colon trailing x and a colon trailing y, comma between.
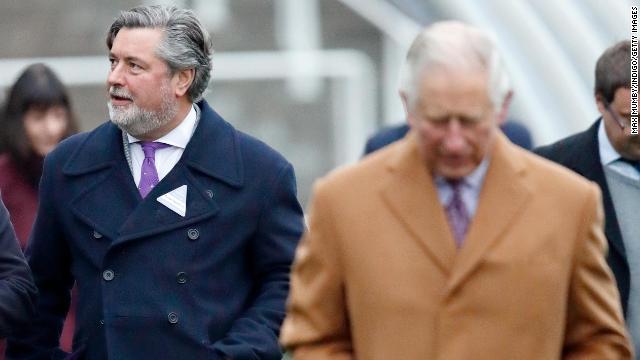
x: 377, y: 276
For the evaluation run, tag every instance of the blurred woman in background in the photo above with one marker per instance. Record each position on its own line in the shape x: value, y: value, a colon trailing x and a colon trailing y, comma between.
x: 36, y: 116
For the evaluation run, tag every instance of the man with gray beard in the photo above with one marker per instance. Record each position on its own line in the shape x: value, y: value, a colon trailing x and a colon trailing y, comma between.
x: 178, y: 229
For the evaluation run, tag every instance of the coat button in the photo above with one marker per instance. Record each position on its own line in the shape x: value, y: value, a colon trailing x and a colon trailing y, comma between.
x: 101, y: 323
x: 97, y: 235
x: 193, y: 234
x: 210, y: 194
x: 108, y: 275
x: 181, y: 277
x: 173, y: 318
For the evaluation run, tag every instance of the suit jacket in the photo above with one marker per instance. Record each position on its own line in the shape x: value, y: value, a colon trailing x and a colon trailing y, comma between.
x: 581, y: 153
x: 378, y: 275
x: 17, y: 290
x: 517, y: 133
x: 153, y: 284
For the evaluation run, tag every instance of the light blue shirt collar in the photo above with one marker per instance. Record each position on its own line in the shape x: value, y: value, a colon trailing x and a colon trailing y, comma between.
x: 471, y: 186
x: 610, y: 158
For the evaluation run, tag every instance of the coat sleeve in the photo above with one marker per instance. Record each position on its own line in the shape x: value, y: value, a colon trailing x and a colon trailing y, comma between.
x: 17, y: 290
x: 316, y: 326
x: 595, y: 326
x: 48, y: 256
x: 254, y: 335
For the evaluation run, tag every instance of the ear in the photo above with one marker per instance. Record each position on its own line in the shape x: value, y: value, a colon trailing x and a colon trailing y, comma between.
x: 184, y: 79
x: 504, y: 109
x: 601, y: 103
x: 405, y: 105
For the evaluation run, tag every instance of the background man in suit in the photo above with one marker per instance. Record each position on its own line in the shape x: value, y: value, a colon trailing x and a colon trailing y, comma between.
x: 178, y: 229
x: 609, y: 155
x: 516, y: 132
x: 453, y: 243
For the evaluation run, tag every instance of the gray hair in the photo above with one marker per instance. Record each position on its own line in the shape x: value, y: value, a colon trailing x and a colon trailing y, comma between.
x: 186, y: 43
x: 455, y: 46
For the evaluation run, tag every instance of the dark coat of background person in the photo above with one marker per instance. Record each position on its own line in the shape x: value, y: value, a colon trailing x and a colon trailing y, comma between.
x: 516, y: 132
x: 17, y: 290
x: 37, y: 89
x: 581, y: 154
x: 154, y: 284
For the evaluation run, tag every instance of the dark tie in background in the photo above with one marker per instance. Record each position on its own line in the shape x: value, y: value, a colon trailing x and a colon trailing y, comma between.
x: 634, y: 163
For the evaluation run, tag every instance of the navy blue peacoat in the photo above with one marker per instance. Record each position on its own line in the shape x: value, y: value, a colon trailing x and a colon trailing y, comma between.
x: 153, y: 284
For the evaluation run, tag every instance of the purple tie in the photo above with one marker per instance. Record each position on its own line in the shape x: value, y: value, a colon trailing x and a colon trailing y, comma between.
x: 457, y: 213
x: 149, y: 174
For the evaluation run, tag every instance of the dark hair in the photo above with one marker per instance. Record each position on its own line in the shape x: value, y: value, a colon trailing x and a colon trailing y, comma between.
x: 613, y: 70
x: 186, y: 43
x: 37, y: 88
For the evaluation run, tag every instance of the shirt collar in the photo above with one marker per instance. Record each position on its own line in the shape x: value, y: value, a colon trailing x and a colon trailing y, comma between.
x: 473, y: 180
x: 180, y: 135
x: 607, y: 152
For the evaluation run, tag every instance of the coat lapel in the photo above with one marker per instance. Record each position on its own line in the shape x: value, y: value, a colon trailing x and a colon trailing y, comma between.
x: 152, y: 217
x: 211, y: 154
x: 589, y: 165
x: 112, y: 205
x: 503, y: 196
x: 107, y: 193
x: 412, y: 198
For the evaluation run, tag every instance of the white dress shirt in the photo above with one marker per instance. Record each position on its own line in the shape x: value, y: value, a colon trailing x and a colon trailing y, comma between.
x: 168, y: 157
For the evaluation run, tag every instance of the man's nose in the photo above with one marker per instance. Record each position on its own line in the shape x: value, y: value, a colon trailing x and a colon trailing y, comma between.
x: 454, y: 138
x: 115, y: 76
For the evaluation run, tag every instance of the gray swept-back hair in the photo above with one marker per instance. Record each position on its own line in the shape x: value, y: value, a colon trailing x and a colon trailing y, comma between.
x: 454, y: 46
x: 186, y: 43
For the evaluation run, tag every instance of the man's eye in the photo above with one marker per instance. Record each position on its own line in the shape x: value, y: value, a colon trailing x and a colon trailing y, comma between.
x: 468, y: 121
x: 438, y: 120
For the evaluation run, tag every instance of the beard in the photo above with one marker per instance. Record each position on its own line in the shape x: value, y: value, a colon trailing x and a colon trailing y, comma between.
x: 137, y: 121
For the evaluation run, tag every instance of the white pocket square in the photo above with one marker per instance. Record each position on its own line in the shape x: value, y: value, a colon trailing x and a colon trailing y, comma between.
x: 176, y: 200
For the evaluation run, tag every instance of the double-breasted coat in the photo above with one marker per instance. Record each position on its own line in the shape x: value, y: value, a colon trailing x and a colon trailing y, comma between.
x: 153, y: 284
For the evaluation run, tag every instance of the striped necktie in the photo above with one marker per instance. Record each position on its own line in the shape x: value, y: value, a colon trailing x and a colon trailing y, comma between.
x: 457, y: 213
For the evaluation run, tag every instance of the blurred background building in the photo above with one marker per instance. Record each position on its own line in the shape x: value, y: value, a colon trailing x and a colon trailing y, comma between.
x: 315, y: 78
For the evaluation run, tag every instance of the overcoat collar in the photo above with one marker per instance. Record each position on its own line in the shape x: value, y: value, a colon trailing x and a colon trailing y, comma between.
x: 110, y: 202
x: 411, y: 195
x: 213, y: 149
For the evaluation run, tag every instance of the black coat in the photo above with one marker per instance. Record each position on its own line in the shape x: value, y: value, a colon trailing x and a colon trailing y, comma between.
x: 17, y: 290
x: 580, y: 153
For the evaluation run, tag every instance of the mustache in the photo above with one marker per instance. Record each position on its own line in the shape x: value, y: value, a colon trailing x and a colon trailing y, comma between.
x: 120, y: 92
